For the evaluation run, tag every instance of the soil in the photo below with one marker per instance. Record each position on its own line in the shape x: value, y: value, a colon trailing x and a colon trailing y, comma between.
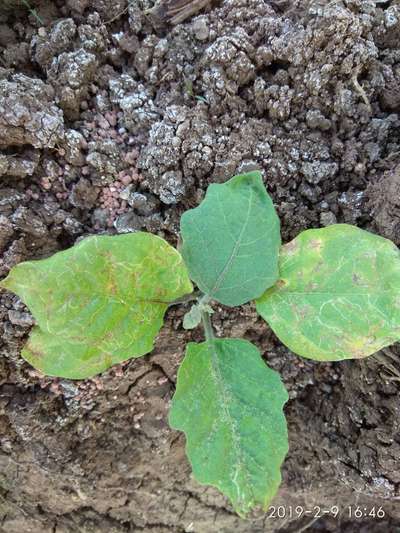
x: 115, y: 121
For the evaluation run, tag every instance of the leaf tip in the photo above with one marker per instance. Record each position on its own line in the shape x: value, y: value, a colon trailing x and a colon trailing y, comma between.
x: 251, y: 178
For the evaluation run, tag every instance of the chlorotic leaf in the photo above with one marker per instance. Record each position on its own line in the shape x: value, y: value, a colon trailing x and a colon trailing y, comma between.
x: 98, y: 303
x: 229, y: 404
x: 338, y: 296
x: 231, y: 240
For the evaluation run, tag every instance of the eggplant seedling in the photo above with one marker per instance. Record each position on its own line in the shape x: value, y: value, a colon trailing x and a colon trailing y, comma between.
x: 330, y: 294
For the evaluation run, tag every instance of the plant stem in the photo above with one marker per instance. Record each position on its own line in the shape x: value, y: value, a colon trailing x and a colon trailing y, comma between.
x: 208, y: 329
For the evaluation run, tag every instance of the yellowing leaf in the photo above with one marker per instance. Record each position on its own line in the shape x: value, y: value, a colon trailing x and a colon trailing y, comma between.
x: 338, y: 296
x: 98, y: 303
x: 229, y: 404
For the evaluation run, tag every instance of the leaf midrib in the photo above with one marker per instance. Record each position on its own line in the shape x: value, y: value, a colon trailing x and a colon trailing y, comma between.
x: 235, y: 248
x: 218, y: 379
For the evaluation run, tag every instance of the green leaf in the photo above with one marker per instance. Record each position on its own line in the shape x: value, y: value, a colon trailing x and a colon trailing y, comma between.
x: 338, y: 296
x: 231, y: 241
x: 229, y: 404
x: 98, y: 303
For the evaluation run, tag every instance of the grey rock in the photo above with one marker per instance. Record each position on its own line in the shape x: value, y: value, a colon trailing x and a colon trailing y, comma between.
x: 3, y: 164
x: 317, y: 171
x: 14, y: 254
x: 373, y: 151
x: 128, y: 43
x: 19, y: 318
x: 6, y: 231
x: 51, y: 168
x: 315, y: 119
x: 350, y: 203
x: 83, y: 194
x: 154, y: 223
x: 78, y: 5
x: 200, y: 28
x: 100, y: 217
x: 278, y: 101
x: 93, y: 36
x: 71, y: 73
x: 312, y: 193
x: 105, y: 158
x: 28, y: 114
x: 69, y: 388
x: 144, y: 203
x: 73, y: 143
x: 180, y: 149
x: 19, y: 165
x: 345, y: 103
x: 247, y: 166
x: 327, y: 218
x: 25, y: 220
x: 171, y: 188
x: 59, y: 40
x: 232, y: 53
x: 128, y: 222
x: 16, y: 56
x: 145, y: 53
x: 135, y: 101
x: 136, y: 18
x: 9, y: 200
x: 71, y: 225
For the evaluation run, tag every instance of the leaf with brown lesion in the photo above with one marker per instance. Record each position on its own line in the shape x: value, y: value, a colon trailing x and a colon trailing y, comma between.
x: 340, y: 296
x: 99, y: 302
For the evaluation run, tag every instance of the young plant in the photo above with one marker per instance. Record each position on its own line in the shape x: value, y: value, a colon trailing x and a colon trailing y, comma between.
x: 330, y: 294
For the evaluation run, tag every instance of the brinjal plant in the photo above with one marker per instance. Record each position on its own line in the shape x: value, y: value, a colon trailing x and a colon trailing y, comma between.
x: 330, y: 294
